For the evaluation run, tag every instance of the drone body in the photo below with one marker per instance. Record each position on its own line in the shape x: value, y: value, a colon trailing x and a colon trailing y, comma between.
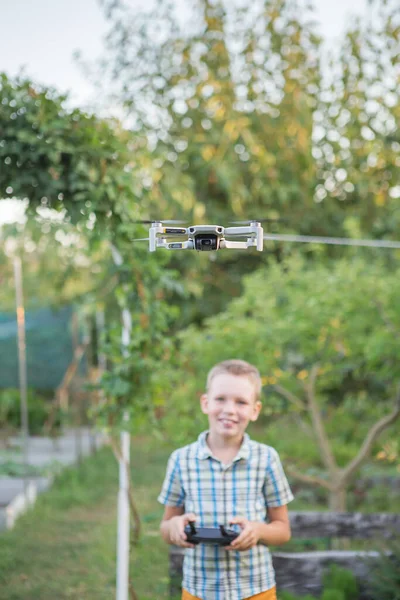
x: 204, y: 237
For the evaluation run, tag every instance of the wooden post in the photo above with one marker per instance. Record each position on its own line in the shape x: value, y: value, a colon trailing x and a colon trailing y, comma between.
x: 22, y: 371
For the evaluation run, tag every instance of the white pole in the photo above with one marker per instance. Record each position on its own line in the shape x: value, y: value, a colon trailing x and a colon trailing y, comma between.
x: 123, y: 499
x: 123, y: 521
x: 19, y: 301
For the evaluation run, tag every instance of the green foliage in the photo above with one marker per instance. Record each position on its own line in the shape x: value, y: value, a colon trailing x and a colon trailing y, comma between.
x: 341, y: 316
x: 333, y: 595
x: 13, y: 468
x: 94, y: 173
x: 293, y: 316
x: 10, y: 410
x: 226, y: 145
x: 286, y: 596
x: 244, y: 123
x: 230, y: 145
x: 231, y: 132
x: 59, y: 158
x: 340, y: 581
x: 131, y: 386
x: 385, y: 573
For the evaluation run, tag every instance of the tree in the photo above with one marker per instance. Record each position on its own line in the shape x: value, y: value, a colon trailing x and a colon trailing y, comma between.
x: 356, y: 136
x: 325, y: 339
x: 245, y: 121
x: 231, y: 101
x: 226, y: 105
x: 70, y: 161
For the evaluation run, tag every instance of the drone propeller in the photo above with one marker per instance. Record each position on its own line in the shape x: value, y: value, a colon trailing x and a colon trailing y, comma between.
x: 243, y: 235
x: 149, y: 221
x: 258, y: 221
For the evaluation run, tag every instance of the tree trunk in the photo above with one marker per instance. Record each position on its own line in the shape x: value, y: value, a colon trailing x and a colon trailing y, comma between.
x: 338, y: 499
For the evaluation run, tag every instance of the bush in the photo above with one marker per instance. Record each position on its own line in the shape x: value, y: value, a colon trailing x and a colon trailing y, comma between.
x: 385, y: 573
x: 10, y: 410
x: 333, y: 595
x: 341, y: 580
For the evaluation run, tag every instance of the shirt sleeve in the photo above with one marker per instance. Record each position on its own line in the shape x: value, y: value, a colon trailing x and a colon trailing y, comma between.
x: 172, y: 492
x: 276, y: 487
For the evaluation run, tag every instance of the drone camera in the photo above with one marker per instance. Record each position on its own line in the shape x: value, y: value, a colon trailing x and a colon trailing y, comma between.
x: 206, y: 242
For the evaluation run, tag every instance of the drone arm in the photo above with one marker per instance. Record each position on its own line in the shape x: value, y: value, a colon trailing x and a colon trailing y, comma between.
x: 188, y: 245
x: 257, y: 241
x: 260, y: 239
x: 240, y: 230
x: 239, y: 245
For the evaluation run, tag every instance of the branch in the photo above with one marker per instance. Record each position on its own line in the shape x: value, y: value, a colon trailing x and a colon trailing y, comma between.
x: 297, y: 402
x: 319, y: 429
x: 290, y: 396
x: 371, y: 436
x: 314, y: 479
x: 302, y: 424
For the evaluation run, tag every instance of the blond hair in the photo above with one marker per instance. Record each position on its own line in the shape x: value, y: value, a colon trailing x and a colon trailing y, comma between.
x: 240, y: 368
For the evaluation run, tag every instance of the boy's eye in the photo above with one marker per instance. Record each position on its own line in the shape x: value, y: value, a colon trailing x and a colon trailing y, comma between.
x: 219, y: 398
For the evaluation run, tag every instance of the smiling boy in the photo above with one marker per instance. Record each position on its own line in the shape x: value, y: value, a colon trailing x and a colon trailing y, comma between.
x: 225, y: 478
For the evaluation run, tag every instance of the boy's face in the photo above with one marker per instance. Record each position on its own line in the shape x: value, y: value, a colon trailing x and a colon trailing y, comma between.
x: 230, y: 405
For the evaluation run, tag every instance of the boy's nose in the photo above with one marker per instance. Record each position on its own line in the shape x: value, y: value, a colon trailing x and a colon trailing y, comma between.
x: 229, y: 408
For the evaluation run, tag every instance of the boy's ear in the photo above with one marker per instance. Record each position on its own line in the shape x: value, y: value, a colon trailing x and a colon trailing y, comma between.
x: 204, y: 403
x: 256, y: 412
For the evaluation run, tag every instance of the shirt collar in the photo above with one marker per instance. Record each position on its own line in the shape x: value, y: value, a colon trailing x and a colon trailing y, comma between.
x: 205, y: 452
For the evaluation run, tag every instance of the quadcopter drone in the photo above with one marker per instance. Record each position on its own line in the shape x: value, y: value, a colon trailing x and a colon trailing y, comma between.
x: 203, y: 238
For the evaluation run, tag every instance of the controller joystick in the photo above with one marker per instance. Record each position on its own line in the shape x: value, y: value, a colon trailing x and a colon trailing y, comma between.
x: 192, y: 528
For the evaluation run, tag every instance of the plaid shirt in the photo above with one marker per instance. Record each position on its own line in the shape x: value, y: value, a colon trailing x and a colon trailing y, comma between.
x: 216, y: 493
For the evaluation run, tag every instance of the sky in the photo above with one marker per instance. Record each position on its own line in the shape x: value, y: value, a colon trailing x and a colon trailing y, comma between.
x: 41, y: 36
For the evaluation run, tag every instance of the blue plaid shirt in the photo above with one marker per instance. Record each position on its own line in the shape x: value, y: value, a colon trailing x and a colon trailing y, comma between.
x: 216, y: 492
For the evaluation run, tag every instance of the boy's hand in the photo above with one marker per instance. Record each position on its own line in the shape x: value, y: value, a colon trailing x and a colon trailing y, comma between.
x: 177, y: 533
x: 248, y: 537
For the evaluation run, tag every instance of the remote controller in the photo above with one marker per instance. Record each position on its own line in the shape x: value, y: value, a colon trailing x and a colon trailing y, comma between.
x: 210, y: 535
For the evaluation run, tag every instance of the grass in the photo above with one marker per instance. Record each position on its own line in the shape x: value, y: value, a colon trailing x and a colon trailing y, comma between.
x: 65, y: 546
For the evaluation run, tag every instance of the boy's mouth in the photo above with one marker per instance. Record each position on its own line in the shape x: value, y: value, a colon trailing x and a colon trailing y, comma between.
x: 227, y: 422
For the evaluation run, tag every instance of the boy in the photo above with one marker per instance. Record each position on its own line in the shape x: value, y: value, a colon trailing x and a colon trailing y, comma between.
x: 225, y: 478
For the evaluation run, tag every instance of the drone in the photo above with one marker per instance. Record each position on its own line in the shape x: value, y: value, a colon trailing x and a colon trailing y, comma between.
x: 204, y: 238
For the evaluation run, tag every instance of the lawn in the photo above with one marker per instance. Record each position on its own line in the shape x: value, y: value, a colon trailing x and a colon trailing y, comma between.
x: 65, y: 547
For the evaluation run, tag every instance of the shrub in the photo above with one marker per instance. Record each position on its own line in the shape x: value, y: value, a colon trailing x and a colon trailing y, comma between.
x: 385, y: 573
x: 10, y: 409
x: 338, y: 579
x: 333, y: 595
